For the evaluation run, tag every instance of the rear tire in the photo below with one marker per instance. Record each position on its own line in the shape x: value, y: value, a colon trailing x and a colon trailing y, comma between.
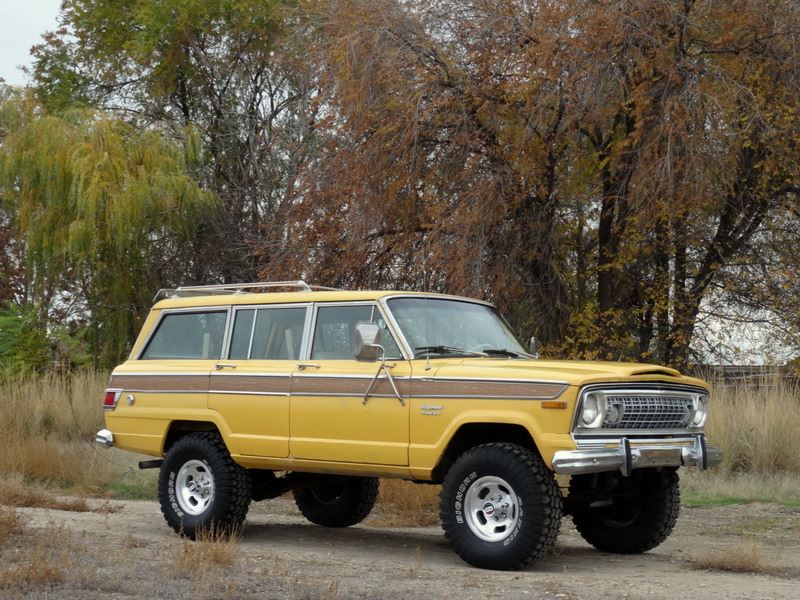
x: 338, y: 504
x: 638, y: 519
x: 500, y: 506
x: 201, y: 488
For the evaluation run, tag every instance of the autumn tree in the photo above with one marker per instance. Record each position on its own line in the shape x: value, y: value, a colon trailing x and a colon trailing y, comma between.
x: 600, y: 169
x: 614, y: 174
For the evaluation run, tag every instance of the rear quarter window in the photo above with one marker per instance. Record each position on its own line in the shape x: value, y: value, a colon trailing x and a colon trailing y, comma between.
x: 194, y: 335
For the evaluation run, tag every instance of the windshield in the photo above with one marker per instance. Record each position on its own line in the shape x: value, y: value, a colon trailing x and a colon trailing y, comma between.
x: 442, y: 327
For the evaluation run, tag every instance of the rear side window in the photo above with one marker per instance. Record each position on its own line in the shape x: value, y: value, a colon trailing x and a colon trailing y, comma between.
x: 268, y: 333
x: 195, y: 335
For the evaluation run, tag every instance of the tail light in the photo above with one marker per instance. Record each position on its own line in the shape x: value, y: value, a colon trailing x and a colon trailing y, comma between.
x: 111, y: 399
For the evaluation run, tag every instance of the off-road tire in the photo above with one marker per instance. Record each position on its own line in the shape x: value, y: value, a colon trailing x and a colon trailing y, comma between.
x: 635, y: 523
x: 534, y: 527
x: 338, y: 504
x: 231, y: 486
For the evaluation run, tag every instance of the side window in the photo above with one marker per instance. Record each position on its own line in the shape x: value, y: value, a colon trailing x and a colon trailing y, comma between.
x: 242, y: 333
x: 387, y: 339
x: 333, y: 333
x: 278, y: 333
x: 188, y: 336
x: 268, y: 333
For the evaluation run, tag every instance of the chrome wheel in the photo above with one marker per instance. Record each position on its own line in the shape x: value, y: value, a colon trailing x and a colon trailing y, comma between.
x: 194, y: 487
x: 491, y: 508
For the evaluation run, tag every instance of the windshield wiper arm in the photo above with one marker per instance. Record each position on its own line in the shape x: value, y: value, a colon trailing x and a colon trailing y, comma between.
x: 425, y: 350
x: 503, y: 352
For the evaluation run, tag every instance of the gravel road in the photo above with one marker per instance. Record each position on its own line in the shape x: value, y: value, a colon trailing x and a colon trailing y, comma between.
x: 131, y: 553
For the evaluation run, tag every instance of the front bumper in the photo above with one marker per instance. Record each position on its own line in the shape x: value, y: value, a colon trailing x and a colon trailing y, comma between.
x: 596, y: 456
x: 105, y: 438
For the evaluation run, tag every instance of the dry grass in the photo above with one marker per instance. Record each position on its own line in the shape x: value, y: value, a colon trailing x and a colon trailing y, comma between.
x: 43, y: 560
x: 746, y: 557
x: 211, y: 550
x: 406, y: 504
x: 47, y: 424
x: 757, y: 427
x: 11, y: 523
x: 15, y: 492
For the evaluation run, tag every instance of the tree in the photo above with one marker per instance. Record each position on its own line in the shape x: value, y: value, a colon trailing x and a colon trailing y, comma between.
x: 226, y: 69
x: 598, y: 167
x: 106, y: 210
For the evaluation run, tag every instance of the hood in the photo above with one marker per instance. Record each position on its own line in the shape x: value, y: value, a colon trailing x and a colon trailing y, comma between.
x: 572, y: 372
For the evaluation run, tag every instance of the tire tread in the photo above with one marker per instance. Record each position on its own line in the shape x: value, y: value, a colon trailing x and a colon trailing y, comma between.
x: 231, y: 480
x: 540, y: 540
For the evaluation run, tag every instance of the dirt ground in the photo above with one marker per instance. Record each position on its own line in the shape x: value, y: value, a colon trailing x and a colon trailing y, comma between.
x: 131, y: 553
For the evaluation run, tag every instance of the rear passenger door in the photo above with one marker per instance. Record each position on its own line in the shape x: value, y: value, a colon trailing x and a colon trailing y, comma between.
x: 250, y: 388
x: 330, y: 419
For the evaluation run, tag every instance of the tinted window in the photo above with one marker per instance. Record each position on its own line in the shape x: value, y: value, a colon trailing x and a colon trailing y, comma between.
x: 188, y: 336
x: 278, y: 333
x: 333, y: 334
x: 242, y: 331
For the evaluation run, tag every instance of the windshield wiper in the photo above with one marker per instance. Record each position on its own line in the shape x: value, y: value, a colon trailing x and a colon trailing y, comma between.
x: 441, y: 350
x: 503, y: 352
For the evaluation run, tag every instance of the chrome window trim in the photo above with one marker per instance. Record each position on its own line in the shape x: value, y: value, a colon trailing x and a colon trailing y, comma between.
x: 252, y: 331
x: 235, y: 308
x: 165, y: 312
x: 373, y: 304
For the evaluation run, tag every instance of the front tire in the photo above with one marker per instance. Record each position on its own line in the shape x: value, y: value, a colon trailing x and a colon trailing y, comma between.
x: 500, y: 506
x: 338, y: 504
x: 201, y: 488
x: 640, y: 516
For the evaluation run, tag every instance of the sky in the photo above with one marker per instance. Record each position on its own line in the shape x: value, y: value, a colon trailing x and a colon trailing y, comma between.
x: 22, y: 22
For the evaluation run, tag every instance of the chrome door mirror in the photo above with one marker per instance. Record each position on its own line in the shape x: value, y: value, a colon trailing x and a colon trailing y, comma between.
x: 533, y: 347
x: 365, y: 342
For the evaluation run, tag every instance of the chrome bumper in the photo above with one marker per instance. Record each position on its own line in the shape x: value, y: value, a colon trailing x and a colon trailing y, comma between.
x: 105, y: 438
x: 626, y: 458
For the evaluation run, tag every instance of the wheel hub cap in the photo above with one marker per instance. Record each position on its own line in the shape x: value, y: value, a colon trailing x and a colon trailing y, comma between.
x: 491, y: 508
x: 194, y: 487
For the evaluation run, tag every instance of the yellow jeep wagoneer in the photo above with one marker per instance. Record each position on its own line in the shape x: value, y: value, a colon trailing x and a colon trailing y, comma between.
x: 244, y: 392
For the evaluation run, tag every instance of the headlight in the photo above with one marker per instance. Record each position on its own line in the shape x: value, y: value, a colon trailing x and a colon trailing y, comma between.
x: 700, y: 411
x: 592, y: 412
x: 614, y: 414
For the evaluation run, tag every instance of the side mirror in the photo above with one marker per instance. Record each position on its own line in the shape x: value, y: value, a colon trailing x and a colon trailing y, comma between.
x: 365, y: 342
x: 533, y: 347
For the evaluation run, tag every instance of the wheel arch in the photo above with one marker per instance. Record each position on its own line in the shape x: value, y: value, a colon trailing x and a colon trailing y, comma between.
x: 469, y: 435
x: 179, y: 428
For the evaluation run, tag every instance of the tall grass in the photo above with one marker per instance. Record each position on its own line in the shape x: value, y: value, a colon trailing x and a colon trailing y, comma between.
x: 47, y: 425
x: 48, y: 422
x: 757, y: 427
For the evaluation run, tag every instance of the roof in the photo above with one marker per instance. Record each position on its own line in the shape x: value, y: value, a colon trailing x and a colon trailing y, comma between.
x: 288, y: 298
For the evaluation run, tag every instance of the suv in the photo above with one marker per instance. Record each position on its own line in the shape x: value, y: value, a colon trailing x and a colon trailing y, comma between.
x: 244, y: 393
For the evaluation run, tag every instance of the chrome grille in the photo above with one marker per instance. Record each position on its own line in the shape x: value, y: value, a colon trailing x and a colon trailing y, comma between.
x: 643, y: 411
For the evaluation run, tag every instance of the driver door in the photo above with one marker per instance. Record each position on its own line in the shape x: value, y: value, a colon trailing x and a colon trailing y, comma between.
x: 330, y: 418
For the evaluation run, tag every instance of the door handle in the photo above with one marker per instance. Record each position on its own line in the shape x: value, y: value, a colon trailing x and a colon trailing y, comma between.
x: 220, y: 366
x: 304, y: 366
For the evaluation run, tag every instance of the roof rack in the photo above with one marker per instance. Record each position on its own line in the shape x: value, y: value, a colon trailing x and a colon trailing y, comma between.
x: 236, y: 288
